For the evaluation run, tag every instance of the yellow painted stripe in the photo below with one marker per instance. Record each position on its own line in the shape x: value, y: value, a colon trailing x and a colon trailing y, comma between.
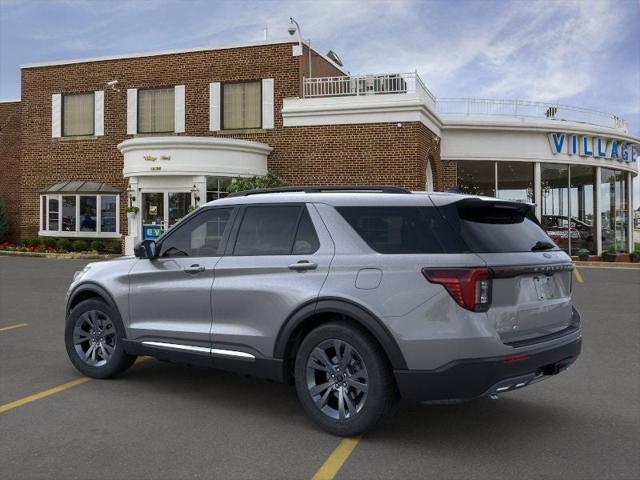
x: 11, y: 327
x: 579, y: 278
x: 337, y: 458
x: 37, y: 396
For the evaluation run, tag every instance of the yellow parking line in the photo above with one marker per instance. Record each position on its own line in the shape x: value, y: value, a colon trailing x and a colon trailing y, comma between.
x: 579, y: 278
x: 334, y: 463
x: 37, y: 396
x: 60, y: 388
x: 11, y: 327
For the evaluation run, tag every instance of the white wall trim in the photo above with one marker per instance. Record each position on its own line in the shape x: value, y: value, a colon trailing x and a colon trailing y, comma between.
x: 10, y: 100
x: 214, y: 107
x: 132, y: 111
x: 56, y: 115
x: 268, y: 114
x: 179, y: 100
x: 98, y: 112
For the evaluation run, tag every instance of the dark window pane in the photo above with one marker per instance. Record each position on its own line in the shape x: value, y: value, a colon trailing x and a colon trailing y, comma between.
x: 306, y: 239
x: 515, y: 181
x: 555, y: 202
x: 267, y: 231
x: 44, y: 213
x: 199, y: 236
x: 88, y: 214
x: 477, y: 178
x: 497, y: 228
x: 54, y: 212
x: 69, y: 214
x: 402, y: 229
x: 582, y: 209
x: 108, y: 213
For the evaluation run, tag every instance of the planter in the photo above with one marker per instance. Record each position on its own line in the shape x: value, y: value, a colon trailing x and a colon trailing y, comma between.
x: 131, y: 216
x: 609, y: 257
x: 634, y: 257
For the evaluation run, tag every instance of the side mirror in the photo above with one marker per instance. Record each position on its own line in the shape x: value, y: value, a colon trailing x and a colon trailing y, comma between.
x: 145, y: 249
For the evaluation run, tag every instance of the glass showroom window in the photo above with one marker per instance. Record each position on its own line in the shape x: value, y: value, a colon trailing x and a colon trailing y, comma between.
x: 515, y: 181
x: 77, y: 114
x: 555, y: 202
x: 217, y: 187
x: 477, y: 177
x: 614, y: 210
x: 583, y: 226
x: 241, y: 105
x: 156, y: 110
x: 68, y: 215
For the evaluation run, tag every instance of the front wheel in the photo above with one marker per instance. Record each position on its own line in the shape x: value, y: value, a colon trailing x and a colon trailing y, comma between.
x: 93, y: 338
x: 343, y: 379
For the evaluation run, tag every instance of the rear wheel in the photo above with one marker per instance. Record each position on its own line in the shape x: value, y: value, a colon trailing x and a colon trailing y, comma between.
x: 93, y: 338
x: 343, y: 379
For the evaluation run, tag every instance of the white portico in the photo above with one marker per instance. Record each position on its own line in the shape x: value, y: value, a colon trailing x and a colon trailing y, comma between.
x: 171, y: 175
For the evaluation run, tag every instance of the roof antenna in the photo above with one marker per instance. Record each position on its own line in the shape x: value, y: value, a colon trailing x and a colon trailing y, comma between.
x: 266, y: 33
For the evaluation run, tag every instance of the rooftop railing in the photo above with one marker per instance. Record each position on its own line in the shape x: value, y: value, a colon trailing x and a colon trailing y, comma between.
x: 402, y: 83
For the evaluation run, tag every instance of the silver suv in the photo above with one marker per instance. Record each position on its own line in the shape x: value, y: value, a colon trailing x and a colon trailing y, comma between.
x: 357, y: 295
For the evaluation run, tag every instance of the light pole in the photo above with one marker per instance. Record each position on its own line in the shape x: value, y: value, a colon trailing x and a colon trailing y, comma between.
x: 294, y: 27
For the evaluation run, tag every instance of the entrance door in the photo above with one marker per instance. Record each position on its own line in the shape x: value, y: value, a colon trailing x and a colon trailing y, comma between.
x: 161, y: 211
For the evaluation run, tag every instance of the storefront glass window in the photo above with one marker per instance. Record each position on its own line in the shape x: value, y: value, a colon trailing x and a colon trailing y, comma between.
x: 69, y: 213
x: 88, y: 213
x: 54, y: 212
x: 614, y: 210
x: 583, y: 231
x: 217, y: 187
x: 179, y: 203
x: 152, y: 215
x: 108, y: 213
x: 555, y: 202
x: 515, y: 181
x: 477, y: 178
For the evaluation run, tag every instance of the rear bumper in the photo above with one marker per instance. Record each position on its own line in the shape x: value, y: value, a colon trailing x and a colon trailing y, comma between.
x: 472, y: 378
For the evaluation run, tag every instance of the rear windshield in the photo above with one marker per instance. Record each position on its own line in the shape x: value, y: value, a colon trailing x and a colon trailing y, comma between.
x: 498, y: 228
x: 402, y: 229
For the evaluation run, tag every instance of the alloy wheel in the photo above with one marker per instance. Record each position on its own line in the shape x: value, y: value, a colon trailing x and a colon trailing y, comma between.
x: 94, y: 338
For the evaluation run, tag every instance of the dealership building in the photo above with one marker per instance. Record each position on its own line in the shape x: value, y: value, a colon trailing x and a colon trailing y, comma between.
x: 169, y: 131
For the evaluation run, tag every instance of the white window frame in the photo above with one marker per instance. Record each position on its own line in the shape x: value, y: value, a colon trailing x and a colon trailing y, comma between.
x: 78, y: 233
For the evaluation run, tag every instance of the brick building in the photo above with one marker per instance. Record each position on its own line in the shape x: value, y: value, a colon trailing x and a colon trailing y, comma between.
x: 167, y: 131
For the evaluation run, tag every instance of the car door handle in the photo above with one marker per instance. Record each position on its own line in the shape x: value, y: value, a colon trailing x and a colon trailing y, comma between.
x: 303, y: 265
x: 194, y: 269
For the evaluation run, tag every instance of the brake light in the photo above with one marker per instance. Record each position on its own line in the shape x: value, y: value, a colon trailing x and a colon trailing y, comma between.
x: 469, y: 287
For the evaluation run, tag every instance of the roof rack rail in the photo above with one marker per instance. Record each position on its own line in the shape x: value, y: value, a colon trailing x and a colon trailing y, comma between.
x: 322, y: 188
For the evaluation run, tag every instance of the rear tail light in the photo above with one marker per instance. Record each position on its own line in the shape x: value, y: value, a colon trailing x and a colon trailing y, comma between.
x: 469, y: 287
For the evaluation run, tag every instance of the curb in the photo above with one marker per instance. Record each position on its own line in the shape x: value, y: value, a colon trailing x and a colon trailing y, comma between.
x: 61, y: 256
x: 620, y: 265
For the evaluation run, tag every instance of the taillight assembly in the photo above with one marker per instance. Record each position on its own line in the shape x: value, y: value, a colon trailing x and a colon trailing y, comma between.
x: 469, y: 287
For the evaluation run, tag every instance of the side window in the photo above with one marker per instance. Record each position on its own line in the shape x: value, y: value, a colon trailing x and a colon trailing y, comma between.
x: 200, y: 236
x: 306, y: 239
x: 268, y: 230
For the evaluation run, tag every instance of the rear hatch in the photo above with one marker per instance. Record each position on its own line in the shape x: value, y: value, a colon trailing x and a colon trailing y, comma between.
x: 531, y: 285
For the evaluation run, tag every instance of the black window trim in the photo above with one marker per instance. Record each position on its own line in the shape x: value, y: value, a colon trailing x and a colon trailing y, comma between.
x: 222, y: 85
x: 165, y: 87
x: 233, y: 237
x: 196, y: 214
x: 93, y: 117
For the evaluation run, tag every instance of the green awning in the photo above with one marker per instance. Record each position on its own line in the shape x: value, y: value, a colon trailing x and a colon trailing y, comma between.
x: 81, y: 186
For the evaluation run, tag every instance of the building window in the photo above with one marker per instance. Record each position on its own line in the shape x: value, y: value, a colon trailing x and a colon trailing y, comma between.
x: 217, y: 187
x: 80, y: 215
x: 583, y: 231
x: 515, y: 181
x: 555, y: 202
x: 78, y: 114
x: 156, y: 110
x: 241, y: 105
x: 477, y: 177
x: 614, y: 209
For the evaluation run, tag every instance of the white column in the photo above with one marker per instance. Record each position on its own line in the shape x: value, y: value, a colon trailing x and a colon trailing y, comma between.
x: 630, y: 211
x: 537, y: 189
x: 134, y: 225
x: 598, y: 214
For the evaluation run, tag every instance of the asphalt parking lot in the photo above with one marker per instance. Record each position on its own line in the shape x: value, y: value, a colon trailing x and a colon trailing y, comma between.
x: 164, y: 421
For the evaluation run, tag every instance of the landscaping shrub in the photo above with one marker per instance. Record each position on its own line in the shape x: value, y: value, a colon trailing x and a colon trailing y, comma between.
x: 98, y: 245
x: 65, y: 244
x: 28, y: 241
x: 261, y: 181
x: 79, y: 246
x: 583, y: 255
x: 47, y: 242
x: 115, y: 247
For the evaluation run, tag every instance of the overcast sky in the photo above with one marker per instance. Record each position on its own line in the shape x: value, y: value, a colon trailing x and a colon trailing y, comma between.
x: 580, y: 52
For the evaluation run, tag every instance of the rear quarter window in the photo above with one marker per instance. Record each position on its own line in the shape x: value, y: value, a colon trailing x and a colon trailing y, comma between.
x: 402, y: 230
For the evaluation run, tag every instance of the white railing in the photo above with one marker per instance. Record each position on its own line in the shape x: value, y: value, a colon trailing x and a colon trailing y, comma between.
x: 356, y: 85
x: 524, y: 108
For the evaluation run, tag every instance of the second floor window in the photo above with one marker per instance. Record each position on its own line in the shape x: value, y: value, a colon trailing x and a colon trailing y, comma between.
x: 241, y: 105
x: 156, y: 110
x: 77, y: 114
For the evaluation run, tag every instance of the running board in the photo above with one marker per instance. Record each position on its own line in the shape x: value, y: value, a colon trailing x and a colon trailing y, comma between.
x: 208, y: 350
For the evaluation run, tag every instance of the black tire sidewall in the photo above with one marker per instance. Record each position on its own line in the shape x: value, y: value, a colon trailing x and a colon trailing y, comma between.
x: 120, y: 360
x: 381, y: 395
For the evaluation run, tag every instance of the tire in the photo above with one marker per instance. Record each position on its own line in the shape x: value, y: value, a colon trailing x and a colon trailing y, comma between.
x: 106, y: 357
x: 361, y: 381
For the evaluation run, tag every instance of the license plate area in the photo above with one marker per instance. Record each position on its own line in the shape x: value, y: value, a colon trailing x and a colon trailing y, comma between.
x: 545, y: 286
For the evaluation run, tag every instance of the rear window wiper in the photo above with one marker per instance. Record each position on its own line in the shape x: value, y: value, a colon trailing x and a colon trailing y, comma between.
x: 542, y: 246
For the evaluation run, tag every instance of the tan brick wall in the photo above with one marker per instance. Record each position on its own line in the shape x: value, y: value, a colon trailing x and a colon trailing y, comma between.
x: 346, y: 154
x: 10, y: 163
